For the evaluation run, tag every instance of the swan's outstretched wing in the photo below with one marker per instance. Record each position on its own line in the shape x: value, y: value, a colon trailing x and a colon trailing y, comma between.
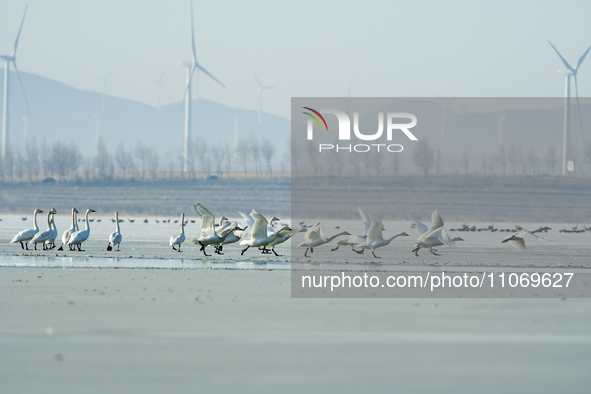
x: 420, y: 226
x: 364, y: 219
x: 313, y: 233
x: 440, y: 234
x: 375, y: 230
x: 436, y: 221
x: 207, y: 220
x: 249, y: 221
x: 259, y: 228
x: 517, y: 240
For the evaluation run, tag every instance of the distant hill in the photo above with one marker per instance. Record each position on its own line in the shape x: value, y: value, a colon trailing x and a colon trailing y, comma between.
x: 60, y: 112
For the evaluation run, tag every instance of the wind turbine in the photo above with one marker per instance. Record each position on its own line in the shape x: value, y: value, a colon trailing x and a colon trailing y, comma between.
x: 570, y: 71
x: 191, y: 66
x: 104, y: 84
x: 7, y: 60
x: 261, y: 89
x: 160, y: 87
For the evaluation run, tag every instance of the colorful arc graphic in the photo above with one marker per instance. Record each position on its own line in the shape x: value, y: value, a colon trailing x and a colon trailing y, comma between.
x: 315, y: 118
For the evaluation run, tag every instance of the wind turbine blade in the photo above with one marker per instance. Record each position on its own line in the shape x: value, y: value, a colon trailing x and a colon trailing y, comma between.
x: 193, y: 36
x: 160, y: 80
x: 22, y: 88
x: 207, y: 72
x: 579, y: 106
x: 582, y: 58
x: 19, y: 32
x: 258, y: 81
x: 561, y: 58
x: 267, y: 87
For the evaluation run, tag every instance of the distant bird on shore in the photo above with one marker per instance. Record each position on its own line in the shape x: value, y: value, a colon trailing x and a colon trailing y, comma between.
x: 26, y: 235
x: 115, y: 237
x: 73, y: 228
x: 78, y: 237
x: 178, y: 239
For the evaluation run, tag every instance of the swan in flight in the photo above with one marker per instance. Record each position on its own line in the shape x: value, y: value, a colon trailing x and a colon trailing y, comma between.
x: 80, y: 236
x: 281, y: 236
x: 517, y: 240
x: 26, y: 235
x: 259, y: 235
x: 43, y: 236
x: 315, y: 237
x: 209, y: 235
x: 115, y: 237
x: 374, y: 238
x: 250, y: 222
x: 177, y: 239
x: 432, y: 237
x: 73, y: 228
x: 354, y: 240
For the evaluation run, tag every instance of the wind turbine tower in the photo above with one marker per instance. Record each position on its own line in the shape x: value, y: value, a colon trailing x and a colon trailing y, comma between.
x: 191, y: 67
x: 5, y: 113
x: 568, y: 73
x: 261, y: 89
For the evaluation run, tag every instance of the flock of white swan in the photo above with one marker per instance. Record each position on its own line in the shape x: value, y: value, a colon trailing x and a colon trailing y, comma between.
x: 264, y: 234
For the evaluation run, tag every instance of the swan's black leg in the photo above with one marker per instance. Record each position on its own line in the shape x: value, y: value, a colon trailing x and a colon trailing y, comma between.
x: 109, y: 248
x: 61, y: 247
x: 332, y: 250
x: 374, y: 255
x: 431, y: 250
x: 278, y: 255
x: 357, y: 251
x: 22, y: 246
x: 306, y: 252
x: 26, y: 245
x: 416, y: 251
x: 35, y: 246
x: 241, y: 254
x: 179, y: 248
x: 203, y: 248
x: 173, y: 248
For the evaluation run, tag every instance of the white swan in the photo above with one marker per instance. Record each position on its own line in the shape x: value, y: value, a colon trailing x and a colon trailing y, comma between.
x: 315, y: 237
x: 374, y: 235
x: 209, y: 234
x: 115, y: 237
x: 354, y: 240
x: 258, y: 234
x: 26, y: 235
x: 435, y: 236
x: 73, y: 228
x: 250, y: 222
x: 517, y: 240
x: 282, y: 235
x: 51, y: 240
x: 80, y: 236
x: 43, y: 236
x: 179, y: 238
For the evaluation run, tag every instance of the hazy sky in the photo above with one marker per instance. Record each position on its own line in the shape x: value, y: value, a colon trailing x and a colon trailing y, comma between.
x: 305, y: 48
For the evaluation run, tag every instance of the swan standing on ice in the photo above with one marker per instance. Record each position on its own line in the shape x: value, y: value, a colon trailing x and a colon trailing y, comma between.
x: 43, y: 236
x: 26, y: 235
x: 374, y: 235
x: 315, y: 237
x: 435, y: 236
x: 258, y: 234
x: 354, y: 240
x: 517, y: 240
x: 53, y: 236
x: 80, y: 236
x: 73, y: 228
x: 177, y: 239
x: 115, y: 237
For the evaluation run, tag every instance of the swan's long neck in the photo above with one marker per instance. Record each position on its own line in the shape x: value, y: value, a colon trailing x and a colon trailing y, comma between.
x: 334, y: 236
x: 392, y: 238
x: 73, y: 219
x: 49, y: 220
x: 117, y: 220
x: 53, y: 222
x: 76, y: 221
x: 35, y: 219
x: 86, y: 219
x: 182, y: 224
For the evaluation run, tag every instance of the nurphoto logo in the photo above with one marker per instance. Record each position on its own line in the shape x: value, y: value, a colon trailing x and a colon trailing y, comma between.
x: 344, y: 130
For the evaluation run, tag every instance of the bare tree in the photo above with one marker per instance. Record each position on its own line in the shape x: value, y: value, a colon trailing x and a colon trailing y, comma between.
x: 268, y: 151
x: 19, y: 165
x: 241, y: 154
x: 103, y: 161
x: 424, y: 156
x: 124, y: 160
x: 532, y: 159
x: 202, y: 153
x: 513, y: 157
x: 218, y: 156
x: 9, y: 163
x: 396, y: 162
x: 64, y: 158
x: 502, y: 157
x: 255, y: 154
x: 32, y: 160
x: 574, y: 156
x: 142, y: 152
x: 312, y: 154
x: 551, y: 159
x: 466, y: 161
x: 438, y: 166
x: 153, y: 162
x: 191, y: 159
x: 293, y: 149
